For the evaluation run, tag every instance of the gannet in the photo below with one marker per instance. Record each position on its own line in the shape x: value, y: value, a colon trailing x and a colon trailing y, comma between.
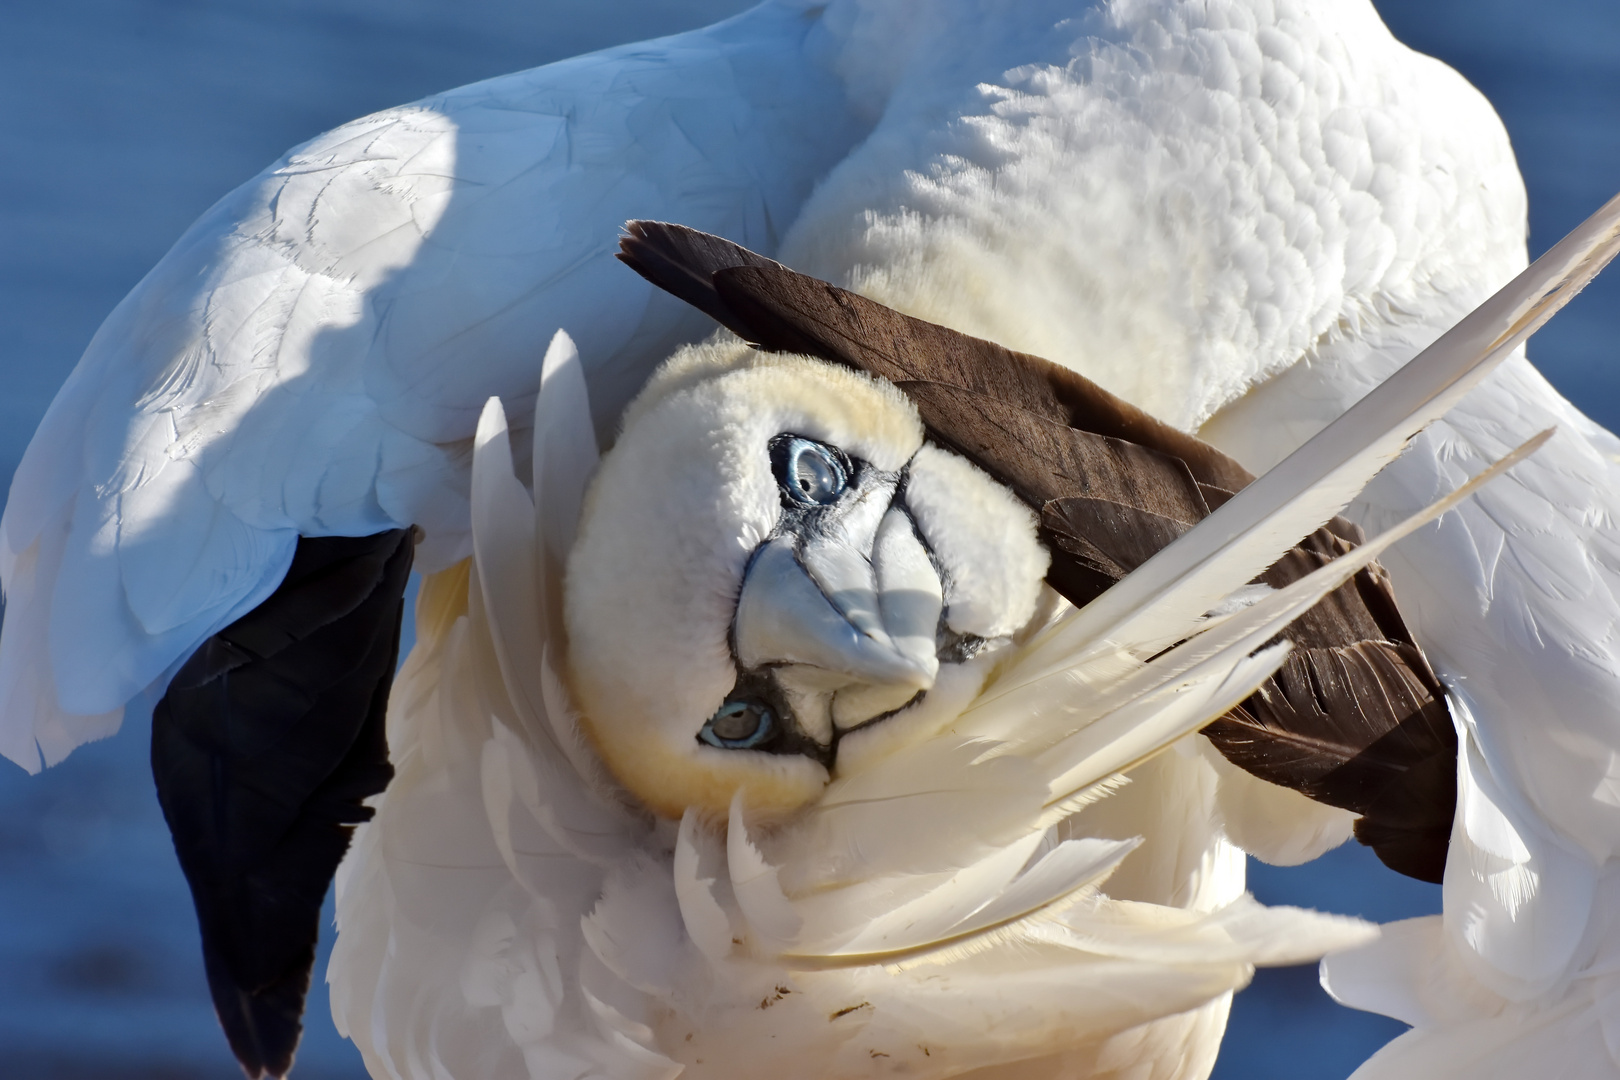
x: 764, y: 592
x: 1262, y: 208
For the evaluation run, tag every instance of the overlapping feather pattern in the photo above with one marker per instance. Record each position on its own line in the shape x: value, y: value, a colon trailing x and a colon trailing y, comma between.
x: 1042, y: 884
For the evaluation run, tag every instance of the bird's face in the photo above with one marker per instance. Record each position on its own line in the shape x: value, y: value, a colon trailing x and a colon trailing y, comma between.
x: 775, y: 580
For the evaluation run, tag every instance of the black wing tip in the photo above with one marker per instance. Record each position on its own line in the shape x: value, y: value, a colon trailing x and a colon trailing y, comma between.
x: 669, y: 257
x: 263, y: 1027
x: 321, y: 689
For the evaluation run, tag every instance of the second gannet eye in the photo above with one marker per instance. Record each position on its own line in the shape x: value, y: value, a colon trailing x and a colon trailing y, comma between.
x: 739, y: 725
x: 809, y: 473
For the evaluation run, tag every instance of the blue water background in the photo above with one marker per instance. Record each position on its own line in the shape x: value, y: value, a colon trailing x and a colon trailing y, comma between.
x: 124, y: 119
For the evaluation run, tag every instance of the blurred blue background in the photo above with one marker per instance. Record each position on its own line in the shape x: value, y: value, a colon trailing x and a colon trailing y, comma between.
x: 124, y: 119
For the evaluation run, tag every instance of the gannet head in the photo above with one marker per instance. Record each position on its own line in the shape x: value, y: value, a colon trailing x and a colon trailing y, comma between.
x: 775, y: 579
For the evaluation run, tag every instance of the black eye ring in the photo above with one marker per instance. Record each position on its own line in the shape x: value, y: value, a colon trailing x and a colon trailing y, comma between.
x: 739, y: 724
x: 809, y: 473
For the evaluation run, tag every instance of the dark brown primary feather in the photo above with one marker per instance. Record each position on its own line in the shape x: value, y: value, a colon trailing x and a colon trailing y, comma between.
x: 1355, y: 718
x: 780, y: 310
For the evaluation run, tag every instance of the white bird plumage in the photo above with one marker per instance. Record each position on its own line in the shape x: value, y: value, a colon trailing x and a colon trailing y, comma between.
x: 582, y: 934
x: 1240, y: 215
x: 937, y: 910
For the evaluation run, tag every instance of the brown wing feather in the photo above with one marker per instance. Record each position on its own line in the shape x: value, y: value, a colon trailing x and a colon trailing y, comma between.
x: 1358, y: 694
x: 811, y: 316
x: 1356, y: 717
x: 683, y: 262
x: 781, y: 310
x: 1042, y: 459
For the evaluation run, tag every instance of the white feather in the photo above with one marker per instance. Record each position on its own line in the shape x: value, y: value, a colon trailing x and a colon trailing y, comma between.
x: 636, y: 927
x: 1519, y: 896
x: 1144, y: 725
x: 1239, y: 931
x: 705, y: 920
x: 505, y: 543
x: 921, y: 907
x: 565, y: 456
x: 1460, y: 1027
x: 1065, y: 870
x: 755, y: 885
x: 992, y: 801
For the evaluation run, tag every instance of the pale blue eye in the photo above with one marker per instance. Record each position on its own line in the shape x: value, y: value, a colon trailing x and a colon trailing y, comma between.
x: 739, y: 725
x: 811, y: 473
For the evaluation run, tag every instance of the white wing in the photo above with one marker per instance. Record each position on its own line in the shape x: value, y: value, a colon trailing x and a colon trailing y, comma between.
x: 312, y: 356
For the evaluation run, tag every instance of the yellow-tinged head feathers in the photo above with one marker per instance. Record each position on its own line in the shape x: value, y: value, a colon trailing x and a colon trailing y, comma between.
x: 850, y: 611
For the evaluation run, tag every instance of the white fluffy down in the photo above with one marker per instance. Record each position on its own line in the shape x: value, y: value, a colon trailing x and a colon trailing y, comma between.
x: 1174, y: 199
x: 984, y: 537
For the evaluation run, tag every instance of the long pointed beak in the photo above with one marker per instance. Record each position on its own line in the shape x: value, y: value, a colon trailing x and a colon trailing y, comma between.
x: 869, y: 616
